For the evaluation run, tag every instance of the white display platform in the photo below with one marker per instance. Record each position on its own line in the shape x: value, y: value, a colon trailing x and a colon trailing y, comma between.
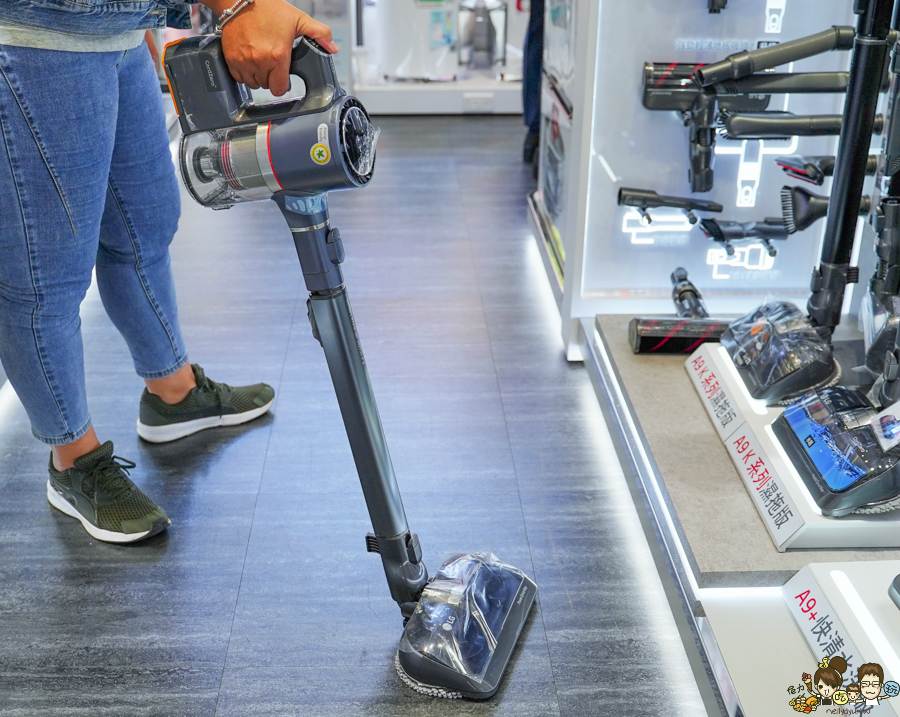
x: 469, y: 96
x: 744, y: 425
x: 760, y: 647
x: 844, y: 609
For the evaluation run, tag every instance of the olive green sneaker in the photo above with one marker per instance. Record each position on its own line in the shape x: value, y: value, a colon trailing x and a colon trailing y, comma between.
x: 99, y: 493
x: 209, y: 405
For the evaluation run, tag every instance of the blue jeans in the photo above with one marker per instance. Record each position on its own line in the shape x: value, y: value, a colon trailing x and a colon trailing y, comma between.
x: 534, y: 61
x: 86, y: 178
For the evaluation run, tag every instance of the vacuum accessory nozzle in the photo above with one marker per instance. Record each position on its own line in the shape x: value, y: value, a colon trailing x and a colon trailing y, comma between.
x: 687, y: 298
x: 467, y: 622
x: 670, y: 335
x: 801, y: 208
x: 725, y: 232
x: 644, y: 199
x: 815, y: 169
x: 782, y: 125
x: 669, y: 86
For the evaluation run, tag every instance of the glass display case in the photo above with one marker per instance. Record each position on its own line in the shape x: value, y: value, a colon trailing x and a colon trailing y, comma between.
x: 604, y: 55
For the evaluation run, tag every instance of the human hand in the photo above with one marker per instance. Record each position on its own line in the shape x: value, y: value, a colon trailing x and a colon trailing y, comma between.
x: 258, y: 41
x: 151, y: 45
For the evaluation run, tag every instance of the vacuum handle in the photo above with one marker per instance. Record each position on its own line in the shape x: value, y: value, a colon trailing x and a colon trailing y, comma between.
x: 743, y: 64
x: 783, y: 125
x: 315, y: 66
x: 207, y: 97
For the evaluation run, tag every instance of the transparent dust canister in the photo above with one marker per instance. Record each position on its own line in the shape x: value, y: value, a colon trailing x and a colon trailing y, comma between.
x: 224, y: 167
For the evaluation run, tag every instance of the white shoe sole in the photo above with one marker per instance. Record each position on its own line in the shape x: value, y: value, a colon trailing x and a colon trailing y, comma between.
x: 174, y: 431
x: 107, y: 536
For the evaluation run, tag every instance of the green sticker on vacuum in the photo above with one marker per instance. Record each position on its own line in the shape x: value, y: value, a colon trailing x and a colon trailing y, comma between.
x: 321, y: 152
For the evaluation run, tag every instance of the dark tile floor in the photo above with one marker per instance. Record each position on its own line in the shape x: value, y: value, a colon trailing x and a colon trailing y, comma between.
x: 260, y: 599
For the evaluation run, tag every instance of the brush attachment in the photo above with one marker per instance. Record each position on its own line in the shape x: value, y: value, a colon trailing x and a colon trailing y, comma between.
x: 800, y: 208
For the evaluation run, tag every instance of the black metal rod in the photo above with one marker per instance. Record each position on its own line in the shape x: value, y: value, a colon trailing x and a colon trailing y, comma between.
x: 743, y: 64
x: 777, y: 125
x: 786, y: 83
x: 866, y: 69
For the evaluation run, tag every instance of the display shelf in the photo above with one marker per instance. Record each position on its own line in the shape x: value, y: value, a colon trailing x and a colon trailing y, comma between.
x: 615, y: 262
x: 548, y: 257
x: 844, y: 608
x: 760, y: 645
x: 787, y: 510
x: 722, y: 572
x: 725, y: 538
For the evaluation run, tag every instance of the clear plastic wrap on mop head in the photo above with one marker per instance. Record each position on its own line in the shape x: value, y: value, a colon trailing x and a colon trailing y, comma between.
x: 776, y: 340
x: 462, y: 611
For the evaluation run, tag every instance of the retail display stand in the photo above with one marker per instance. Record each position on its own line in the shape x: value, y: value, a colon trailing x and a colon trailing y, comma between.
x: 844, y: 609
x: 788, y: 511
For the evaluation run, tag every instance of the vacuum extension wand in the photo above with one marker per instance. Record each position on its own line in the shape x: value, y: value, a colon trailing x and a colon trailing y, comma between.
x: 867, y: 66
x: 745, y: 63
x: 784, y: 125
x: 883, y: 354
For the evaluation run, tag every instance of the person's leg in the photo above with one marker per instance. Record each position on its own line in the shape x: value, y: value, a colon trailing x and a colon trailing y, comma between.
x: 134, y: 272
x: 143, y: 205
x: 531, y: 83
x: 57, y: 125
x: 56, y: 139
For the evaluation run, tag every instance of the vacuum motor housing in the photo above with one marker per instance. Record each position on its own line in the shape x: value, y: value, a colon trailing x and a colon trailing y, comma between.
x: 236, y: 151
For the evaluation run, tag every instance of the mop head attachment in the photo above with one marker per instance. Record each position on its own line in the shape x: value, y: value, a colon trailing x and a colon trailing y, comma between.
x: 845, y: 450
x: 778, y: 353
x: 459, y: 640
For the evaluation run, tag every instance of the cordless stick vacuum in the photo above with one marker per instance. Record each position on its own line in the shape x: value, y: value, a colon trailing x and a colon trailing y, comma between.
x: 880, y: 312
x: 462, y: 625
x: 779, y: 352
x: 847, y: 452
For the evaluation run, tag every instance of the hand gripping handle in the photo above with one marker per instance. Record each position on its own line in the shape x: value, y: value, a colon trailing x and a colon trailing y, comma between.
x: 315, y: 66
x: 207, y: 97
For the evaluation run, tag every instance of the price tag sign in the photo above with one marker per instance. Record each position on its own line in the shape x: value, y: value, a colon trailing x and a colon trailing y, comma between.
x: 818, y: 622
x: 771, y: 499
x: 720, y: 406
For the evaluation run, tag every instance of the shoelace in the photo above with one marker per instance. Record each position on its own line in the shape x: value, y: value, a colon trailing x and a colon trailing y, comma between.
x: 107, y: 475
x: 207, y: 386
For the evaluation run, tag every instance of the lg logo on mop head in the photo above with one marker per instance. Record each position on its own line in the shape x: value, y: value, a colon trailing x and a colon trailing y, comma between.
x: 448, y: 626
